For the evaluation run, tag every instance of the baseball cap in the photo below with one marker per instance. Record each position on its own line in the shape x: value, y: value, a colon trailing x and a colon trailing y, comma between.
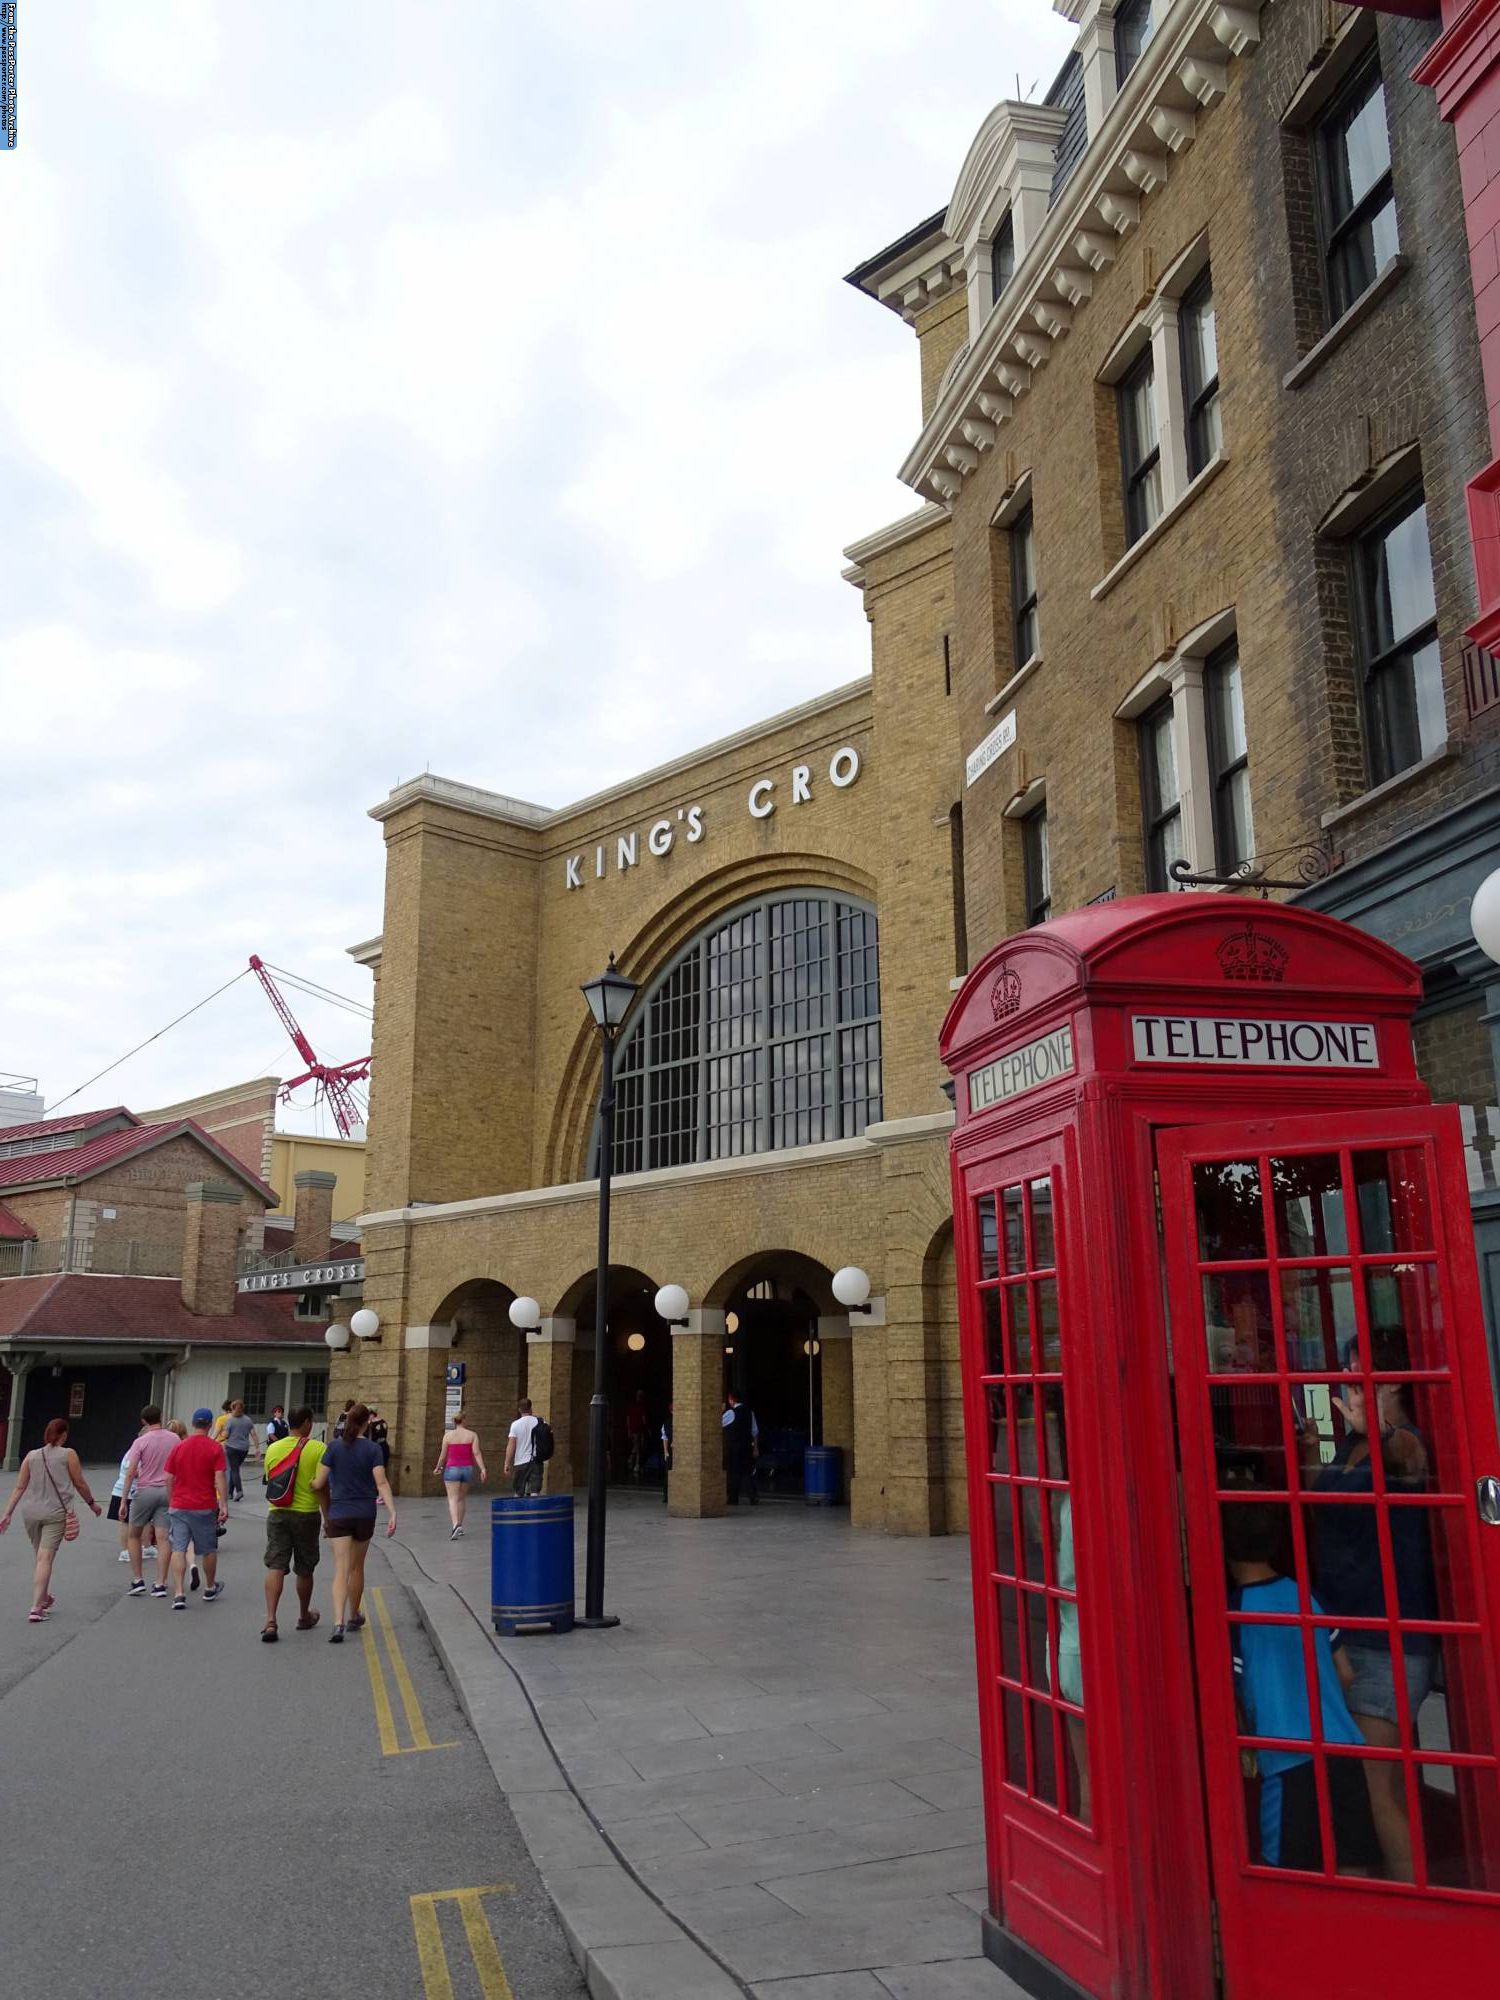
x: 203, y: 1416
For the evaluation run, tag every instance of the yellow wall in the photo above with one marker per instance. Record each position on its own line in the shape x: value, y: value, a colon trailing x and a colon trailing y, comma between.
x: 295, y: 1153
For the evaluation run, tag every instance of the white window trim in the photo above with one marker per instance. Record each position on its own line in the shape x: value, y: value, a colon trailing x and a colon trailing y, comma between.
x: 1180, y: 676
x: 1015, y: 502
x: 1157, y: 326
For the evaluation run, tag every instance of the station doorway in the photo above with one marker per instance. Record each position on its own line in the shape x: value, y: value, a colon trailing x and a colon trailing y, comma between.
x: 773, y: 1361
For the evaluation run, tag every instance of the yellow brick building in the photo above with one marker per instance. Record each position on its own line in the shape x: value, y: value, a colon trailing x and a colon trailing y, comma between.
x: 785, y: 900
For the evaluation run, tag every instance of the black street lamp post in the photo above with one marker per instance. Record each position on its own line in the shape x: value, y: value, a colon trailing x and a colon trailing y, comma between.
x: 609, y: 997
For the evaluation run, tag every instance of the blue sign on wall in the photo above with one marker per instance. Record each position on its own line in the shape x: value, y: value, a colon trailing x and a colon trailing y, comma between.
x: 456, y: 1373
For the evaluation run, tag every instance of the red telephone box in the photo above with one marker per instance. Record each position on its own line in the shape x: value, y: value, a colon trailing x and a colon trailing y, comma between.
x: 1233, y: 1470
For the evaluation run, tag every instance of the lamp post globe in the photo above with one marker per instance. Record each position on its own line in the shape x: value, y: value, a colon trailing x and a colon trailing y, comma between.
x: 851, y: 1286
x: 337, y: 1336
x: 364, y: 1324
x: 525, y: 1314
x: 609, y: 997
x: 1484, y: 916
x: 672, y: 1304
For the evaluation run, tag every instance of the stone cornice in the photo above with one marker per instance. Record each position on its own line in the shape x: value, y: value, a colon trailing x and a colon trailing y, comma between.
x: 474, y: 799
x: 896, y: 534
x: 1181, y: 74
x: 832, y: 1152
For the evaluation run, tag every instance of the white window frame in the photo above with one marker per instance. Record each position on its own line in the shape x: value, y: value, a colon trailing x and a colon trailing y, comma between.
x: 1180, y: 676
x: 1157, y: 327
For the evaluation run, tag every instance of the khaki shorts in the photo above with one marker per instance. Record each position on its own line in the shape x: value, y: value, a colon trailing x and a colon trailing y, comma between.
x: 292, y: 1541
x: 45, y: 1534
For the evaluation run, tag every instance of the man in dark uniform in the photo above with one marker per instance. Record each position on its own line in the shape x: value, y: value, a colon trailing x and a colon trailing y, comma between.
x: 742, y: 1442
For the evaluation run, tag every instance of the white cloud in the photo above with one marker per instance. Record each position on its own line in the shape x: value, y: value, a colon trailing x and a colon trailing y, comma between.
x: 476, y: 389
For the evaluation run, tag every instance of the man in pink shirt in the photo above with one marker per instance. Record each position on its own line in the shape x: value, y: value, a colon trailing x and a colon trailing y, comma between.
x: 146, y: 1473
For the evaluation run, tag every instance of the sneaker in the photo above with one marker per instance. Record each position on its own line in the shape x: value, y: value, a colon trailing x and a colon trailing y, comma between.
x: 193, y: 1578
x: 148, y: 1555
x: 214, y: 1590
x: 335, y: 1637
x: 356, y: 1623
x: 138, y: 1588
x: 123, y: 1556
x: 179, y: 1604
x: 454, y: 1533
x: 158, y: 1590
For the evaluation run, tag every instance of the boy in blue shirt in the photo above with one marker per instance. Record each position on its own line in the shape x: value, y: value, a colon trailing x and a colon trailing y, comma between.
x: 1270, y: 1684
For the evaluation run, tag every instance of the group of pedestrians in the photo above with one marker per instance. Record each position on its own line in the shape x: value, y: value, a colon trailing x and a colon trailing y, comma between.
x: 174, y: 1492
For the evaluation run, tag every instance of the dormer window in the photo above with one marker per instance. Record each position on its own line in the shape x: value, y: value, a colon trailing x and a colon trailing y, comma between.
x: 1002, y: 257
x: 1132, y: 32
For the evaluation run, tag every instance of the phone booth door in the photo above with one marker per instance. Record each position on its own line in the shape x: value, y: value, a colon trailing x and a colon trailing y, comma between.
x: 1339, y: 1465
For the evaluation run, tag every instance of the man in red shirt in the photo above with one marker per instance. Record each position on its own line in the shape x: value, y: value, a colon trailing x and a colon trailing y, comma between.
x: 198, y: 1504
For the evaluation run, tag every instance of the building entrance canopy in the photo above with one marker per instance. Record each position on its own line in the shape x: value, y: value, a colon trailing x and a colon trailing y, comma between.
x: 1305, y: 1726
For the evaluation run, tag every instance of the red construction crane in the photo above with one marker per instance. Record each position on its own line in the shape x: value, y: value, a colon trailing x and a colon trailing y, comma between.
x: 333, y: 1079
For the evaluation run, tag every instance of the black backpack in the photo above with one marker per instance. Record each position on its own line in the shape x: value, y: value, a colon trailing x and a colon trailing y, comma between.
x: 543, y: 1443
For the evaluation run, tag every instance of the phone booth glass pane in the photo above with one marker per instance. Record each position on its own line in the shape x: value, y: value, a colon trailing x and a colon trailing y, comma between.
x: 1032, y: 1576
x: 1365, y: 1731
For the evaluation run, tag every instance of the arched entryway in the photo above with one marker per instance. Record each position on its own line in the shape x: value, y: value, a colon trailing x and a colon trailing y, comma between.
x: 786, y: 1353
x: 470, y: 1329
x: 639, y: 1387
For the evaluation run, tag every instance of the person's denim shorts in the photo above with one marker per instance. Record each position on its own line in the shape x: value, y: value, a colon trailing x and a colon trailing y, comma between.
x: 459, y: 1475
x: 1373, y: 1689
x: 189, y: 1526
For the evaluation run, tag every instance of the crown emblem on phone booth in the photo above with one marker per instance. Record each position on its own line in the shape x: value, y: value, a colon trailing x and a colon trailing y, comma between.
x: 1005, y: 994
x: 1248, y: 955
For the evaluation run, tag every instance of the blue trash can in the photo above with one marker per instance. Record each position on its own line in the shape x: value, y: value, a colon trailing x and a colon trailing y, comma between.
x: 531, y: 1562
x: 823, y: 1475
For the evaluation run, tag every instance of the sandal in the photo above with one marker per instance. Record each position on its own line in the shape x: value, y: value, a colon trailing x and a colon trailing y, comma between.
x: 307, y: 1621
x: 36, y: 1617
x: 268, y: 1634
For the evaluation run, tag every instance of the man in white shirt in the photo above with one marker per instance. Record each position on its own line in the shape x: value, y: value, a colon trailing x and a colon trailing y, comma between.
x: 522, y: 1467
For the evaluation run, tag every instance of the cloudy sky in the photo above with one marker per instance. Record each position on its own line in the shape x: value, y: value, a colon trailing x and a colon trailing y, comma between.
x: 468, y: 386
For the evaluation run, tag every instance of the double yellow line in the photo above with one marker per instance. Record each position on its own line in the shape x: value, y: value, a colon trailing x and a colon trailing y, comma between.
x: 437, y: 1982
x: 385, y: 1720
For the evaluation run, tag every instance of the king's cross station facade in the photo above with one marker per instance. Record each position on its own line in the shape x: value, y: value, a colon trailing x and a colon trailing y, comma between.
x: 951, y: 975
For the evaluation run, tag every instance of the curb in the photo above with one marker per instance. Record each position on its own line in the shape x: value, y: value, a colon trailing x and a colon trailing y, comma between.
x: 627, y: 1945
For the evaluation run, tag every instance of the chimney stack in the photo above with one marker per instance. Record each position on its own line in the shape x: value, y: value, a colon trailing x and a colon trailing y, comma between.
x: 211, y: 1247
x: 312, y: 1215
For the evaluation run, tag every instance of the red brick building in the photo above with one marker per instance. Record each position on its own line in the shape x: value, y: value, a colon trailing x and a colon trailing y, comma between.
x: 121, y: 1243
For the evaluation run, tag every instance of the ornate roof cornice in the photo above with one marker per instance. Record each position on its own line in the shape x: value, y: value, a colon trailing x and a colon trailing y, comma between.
x: 1182, y: 74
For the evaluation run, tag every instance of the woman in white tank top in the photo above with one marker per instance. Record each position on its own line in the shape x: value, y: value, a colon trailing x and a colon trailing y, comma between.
x: 51, y: 1480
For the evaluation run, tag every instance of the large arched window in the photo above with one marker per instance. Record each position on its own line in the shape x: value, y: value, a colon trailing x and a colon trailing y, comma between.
x: 764, y: 1032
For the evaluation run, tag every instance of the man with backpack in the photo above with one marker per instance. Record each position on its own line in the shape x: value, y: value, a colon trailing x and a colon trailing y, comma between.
x: 293, y: 1520
x: 527, y: 1449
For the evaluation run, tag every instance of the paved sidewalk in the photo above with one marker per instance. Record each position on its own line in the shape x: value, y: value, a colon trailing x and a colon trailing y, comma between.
x: 779, y: 1742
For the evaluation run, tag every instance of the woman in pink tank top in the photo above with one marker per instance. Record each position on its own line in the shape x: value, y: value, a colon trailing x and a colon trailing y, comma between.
x: 460, y: 1463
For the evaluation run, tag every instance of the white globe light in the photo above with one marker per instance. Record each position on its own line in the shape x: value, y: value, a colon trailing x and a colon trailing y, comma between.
x: 672, y: 1302
x: 1484, y: 916
x: 337, y: 1336
x: 364, y: 1324
x: 525, y: 1314
x: 851, y: 1286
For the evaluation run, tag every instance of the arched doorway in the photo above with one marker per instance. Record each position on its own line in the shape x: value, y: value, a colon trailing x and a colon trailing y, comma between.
x: 492, y: 1354
x: 640, y: 1374
x: 779, y: 1359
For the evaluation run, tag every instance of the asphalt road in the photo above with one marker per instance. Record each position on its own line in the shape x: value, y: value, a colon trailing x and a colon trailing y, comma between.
x: 184, y: 1809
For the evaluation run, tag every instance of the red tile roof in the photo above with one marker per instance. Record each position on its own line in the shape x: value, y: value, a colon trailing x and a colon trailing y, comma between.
x: 76, y: 1163
x: 13, y: 1229
x: 79, y: 1122
x: 144, y: 1311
